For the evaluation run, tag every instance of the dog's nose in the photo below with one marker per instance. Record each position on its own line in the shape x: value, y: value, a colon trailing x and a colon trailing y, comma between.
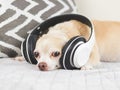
x: 42, y: 66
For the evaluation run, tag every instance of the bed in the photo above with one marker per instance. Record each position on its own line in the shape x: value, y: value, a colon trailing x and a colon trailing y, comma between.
x: 16, y: 75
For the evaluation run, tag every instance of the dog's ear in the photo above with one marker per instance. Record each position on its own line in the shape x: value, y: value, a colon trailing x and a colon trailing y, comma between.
x: 83, y: 29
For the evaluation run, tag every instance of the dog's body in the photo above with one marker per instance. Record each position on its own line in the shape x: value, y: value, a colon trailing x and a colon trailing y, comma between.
x: 107, y: 46
x: 108, y: 40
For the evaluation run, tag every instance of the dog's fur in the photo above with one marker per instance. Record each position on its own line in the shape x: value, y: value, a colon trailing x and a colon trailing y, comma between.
x: 106, y: 47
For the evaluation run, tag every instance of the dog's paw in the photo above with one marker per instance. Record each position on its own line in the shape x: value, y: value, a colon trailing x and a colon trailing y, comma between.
x: 19, y: 58
x: 86, y: 67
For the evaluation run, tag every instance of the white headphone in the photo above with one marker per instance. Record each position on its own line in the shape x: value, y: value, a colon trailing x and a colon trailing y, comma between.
x: 75, y: 53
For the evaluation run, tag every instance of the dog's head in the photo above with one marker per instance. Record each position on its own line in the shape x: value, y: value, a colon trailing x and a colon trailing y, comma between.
x: 49, y: 46
x: 48, y: 52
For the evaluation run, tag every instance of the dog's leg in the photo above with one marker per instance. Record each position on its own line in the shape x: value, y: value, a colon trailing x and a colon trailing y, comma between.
x: 93, y: 60
x: 19, y: 58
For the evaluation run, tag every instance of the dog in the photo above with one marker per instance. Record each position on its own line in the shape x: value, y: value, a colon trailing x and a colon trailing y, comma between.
x: 106, y: 48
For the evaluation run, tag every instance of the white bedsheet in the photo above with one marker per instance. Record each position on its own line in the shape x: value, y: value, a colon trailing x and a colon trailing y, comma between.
x: 15, y: 75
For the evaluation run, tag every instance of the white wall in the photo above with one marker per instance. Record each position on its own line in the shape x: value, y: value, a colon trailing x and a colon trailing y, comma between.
x: 100, y: 9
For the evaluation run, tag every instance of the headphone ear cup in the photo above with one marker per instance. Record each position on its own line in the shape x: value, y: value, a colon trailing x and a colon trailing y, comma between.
x: 81, y: 55
x: 23, y: 50
x: 27, y: 48
x: 65, y: 61
x: 31, y: 43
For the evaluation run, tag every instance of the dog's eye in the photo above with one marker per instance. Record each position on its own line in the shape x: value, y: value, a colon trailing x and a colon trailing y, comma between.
x: 36, y: 54
x: 55, y: 54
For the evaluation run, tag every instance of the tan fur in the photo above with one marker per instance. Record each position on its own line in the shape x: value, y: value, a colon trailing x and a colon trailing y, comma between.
x: 108, y: 39
x: 106, y: 48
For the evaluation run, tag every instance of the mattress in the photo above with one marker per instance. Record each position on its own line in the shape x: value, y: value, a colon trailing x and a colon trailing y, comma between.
x: 16, y: 75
